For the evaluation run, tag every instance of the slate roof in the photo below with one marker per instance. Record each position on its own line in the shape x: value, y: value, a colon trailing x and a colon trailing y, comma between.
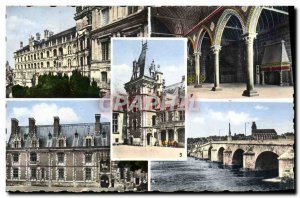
x: 259, y: 131
x: 47, y: 139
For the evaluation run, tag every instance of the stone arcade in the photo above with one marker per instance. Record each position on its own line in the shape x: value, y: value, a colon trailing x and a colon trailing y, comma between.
x: 84, y: 47
x: 231, y: 44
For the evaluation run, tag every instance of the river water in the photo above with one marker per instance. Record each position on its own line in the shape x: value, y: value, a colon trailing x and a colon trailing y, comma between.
x: 201, y: 175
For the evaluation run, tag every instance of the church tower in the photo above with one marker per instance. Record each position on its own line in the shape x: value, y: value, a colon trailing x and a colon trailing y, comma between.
x: 145, y: 83
x: 229, y: 138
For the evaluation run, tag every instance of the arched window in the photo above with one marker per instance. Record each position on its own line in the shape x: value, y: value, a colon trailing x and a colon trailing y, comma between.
x: 42, y: 64
x: 41, y: 55
x: 48, y: 54
x: 69, y: 49
x: 54, y: 52
x: 61, y: 52
x: 104, y: 76
x: 48, y: 64
x: 153, y: 120
x: 88, y: 142
x: 69, y: 63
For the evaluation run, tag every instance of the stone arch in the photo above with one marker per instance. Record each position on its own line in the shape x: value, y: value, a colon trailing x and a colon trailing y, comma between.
x: 220, y: 154
x: 149, y: 139
x: 190, y: 46
x: 267, y: 160
x: 200, y: 37
x: 222, y: 23
x: 209, y: 153
x: 237, y: 157
x: 253, y: 18
x: 104, y: 181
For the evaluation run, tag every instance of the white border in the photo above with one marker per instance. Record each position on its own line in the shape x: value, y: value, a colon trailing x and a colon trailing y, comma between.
x: 184, y: 157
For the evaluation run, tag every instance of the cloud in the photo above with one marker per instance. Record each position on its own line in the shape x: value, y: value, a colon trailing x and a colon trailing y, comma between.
x: 259, y: 107
x: 44, y: 113
x: 15, y: 22
x: 120, y: 75
x: 236, y: 118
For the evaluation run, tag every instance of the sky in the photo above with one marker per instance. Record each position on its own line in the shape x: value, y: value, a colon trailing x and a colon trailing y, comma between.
x: 43, y: 111
x: 210, y: 117
x: 169, y: 54
x: 22, y: 21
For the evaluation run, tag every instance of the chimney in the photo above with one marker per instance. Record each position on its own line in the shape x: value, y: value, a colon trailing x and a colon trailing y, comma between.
x: 97, y: 122
x: 21, y: 44
x: 31, y: 126
x: 46, y: 34
x: 14, y: 126
x: 38, y: 36
x: 56, y: 126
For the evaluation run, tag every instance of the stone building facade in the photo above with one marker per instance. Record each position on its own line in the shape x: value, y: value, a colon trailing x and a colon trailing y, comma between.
x: 152, y: 125
x: 63, y: 155
x: 263, y: 134
x: 84, y: 47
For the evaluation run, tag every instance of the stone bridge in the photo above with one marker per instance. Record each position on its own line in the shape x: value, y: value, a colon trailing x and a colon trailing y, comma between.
x: 250, y: 154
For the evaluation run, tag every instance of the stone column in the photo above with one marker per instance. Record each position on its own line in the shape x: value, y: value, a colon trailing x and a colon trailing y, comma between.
x: 216, y: 50
x: 262, y: 77
x: 280, y: 78
x: 249, y: 38
x: 197, y: 69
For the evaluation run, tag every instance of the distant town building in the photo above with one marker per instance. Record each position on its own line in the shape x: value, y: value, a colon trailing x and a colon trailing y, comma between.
x: 84, y: 47
x: 262, y: 134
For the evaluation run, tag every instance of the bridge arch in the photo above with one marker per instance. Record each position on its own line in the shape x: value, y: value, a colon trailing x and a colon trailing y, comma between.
x: 267, y: 160
x: 209, y: 153
x: 220, y: 154
x: 237, y: 157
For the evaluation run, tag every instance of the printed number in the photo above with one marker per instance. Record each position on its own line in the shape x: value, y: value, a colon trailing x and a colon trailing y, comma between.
x: 180, y: 154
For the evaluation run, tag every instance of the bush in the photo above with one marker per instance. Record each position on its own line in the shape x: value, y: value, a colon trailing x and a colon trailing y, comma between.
x: 59, y: 86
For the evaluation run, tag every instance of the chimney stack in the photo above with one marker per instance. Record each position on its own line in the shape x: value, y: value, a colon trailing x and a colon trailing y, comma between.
x: 21, y: 44
x: 14, y: 126
x: 38, y: 36
x: 46, y: 34
x: 31, y: 126
x: 56, y: 126
x: 97, y: 122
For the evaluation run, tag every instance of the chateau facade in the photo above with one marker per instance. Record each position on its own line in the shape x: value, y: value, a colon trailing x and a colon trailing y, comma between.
x: 84, y: 47
x: 158, y: 125
x: 65, y: 155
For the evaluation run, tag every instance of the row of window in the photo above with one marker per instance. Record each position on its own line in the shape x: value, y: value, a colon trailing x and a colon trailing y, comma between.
x: 41, y: 65
x: 38, y: 56
x: 60, y: 157
x: 61, y: 173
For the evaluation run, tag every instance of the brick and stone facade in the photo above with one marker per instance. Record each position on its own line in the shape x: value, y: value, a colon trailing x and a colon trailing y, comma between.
x: 64, y: 155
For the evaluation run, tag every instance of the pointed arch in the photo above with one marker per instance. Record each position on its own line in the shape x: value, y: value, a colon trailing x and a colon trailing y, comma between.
x: 252, y: 19
x: 200, y: 36
x: 222, y: 23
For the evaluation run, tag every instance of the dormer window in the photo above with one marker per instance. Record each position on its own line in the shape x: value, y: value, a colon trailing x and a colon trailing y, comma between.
x: 61, y: 143
x: 33, y: 143
x: 88, y: 142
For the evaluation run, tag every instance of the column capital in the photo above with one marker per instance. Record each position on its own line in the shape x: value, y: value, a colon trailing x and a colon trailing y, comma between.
x: 197, y: 53
x: 249, y: 37
x: 215, y: 48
